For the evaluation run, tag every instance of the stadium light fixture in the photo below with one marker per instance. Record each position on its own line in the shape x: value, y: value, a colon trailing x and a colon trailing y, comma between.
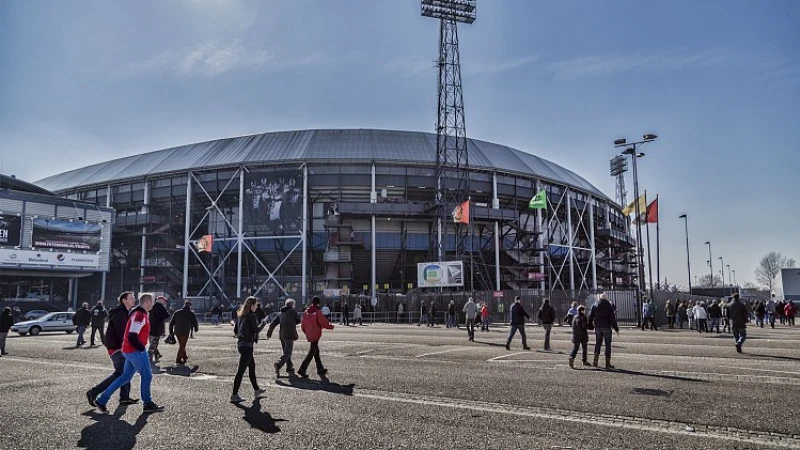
x: 457, y: 10
x: 640, y: 155
x: 649, y: 137
x: 619, y: 142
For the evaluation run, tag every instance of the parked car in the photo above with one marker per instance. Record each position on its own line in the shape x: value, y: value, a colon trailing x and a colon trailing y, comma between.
x: 57, y: 321
x: 35, y: 314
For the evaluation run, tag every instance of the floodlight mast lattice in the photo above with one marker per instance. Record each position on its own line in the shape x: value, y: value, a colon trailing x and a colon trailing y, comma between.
x: 452, y: 161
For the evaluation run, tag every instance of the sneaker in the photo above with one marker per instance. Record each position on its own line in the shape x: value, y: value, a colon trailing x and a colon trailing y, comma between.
x: 322, y: 372
x: 277, y: 369
x: 290, y: 371
x: 508, y: 346
x: 236, y: 399
x: 302, y: 373
x: 128, y: 401
x: 151, y: 407
x: 526, y: 348
x: 101, y: 407
x: 259, y: 393
x: 90, y: 397
x: 738, y: 348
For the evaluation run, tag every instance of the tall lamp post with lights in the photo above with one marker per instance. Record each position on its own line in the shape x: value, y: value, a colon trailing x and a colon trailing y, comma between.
x: 631, y: 148
x: 722, y: 273
x: 685, y: 218
x: 710, y: 263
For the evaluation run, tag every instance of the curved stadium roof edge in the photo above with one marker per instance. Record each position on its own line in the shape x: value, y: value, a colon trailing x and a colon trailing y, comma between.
x: 305, y: 145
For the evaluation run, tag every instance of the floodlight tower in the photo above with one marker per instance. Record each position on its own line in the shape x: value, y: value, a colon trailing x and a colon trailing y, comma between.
x: 619, y: 165
x: 452, y: 162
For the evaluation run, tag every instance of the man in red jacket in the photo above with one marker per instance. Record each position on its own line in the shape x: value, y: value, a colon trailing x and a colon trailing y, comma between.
x: 790, y: 311
x: 312, y: 324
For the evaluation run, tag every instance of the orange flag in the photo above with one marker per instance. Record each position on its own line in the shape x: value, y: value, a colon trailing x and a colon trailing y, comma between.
x: 461, y: 213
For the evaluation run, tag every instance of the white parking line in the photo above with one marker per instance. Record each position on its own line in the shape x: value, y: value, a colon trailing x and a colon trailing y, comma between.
x: 442, y: 351
x: 497, y: 358
x: 760, y: 370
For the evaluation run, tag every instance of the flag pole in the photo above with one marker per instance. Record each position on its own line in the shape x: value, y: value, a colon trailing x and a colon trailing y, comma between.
x: 647, y: 229
x: 658, y: 244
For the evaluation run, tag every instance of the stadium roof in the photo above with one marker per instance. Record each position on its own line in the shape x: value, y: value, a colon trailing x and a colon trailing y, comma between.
x: 312, y: 145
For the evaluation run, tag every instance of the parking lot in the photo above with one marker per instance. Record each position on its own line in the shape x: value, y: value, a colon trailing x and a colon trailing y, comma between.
x: 401, y: 386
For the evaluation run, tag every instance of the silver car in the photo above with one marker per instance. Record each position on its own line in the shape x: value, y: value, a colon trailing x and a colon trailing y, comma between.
x: 57, y: 321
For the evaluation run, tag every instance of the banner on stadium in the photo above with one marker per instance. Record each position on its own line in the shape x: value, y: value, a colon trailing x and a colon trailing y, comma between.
x: 13, y: 257
x: 440, y: 274
x: 273, y: 203
x: 205, y: 244
x: 66, y: 235
x: 461, y: 213
x: 10, y: 230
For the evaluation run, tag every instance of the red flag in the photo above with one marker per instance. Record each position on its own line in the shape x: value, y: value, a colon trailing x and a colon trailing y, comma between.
x: 652, y: 211
x: 461, y: 213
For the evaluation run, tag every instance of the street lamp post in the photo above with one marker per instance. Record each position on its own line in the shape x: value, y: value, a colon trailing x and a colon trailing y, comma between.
x: 722, y: 273
x: 632, y: 150
x: 730, y: 280
x: 685, y: 218
x: 710, y: 263
x: 734, y: 278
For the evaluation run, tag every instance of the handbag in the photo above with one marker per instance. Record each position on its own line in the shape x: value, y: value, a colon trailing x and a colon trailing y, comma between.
x: 170, y: 340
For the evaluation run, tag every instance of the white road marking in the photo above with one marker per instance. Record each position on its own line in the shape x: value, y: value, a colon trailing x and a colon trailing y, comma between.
x: 442, y: 351
x: 497, y: 358
x: 760, y: 370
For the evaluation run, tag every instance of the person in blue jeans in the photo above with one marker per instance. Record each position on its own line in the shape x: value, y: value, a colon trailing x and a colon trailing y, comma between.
x: 82, y: 319
x: 134, y: 349
x: 518, y: 317
x: 603, y: 319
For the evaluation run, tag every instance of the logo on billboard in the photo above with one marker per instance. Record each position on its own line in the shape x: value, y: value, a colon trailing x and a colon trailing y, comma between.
x: 60, y: 257
x: 432, y: 273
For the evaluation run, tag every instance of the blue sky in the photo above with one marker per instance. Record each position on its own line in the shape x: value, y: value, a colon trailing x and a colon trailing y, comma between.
x: 718, y: 81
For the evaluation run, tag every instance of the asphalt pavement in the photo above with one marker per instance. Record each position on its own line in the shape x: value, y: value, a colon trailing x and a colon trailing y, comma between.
x: 403, y: 386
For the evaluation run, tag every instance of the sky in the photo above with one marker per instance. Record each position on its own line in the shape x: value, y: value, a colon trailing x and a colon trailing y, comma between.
x: 718, y: 81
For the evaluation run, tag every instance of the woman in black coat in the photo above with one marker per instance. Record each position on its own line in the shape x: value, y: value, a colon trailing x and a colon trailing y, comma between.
x: 580, y: 336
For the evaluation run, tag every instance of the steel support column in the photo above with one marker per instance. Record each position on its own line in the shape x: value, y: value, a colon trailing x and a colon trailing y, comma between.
x: 540, y: 240
x: 187, y: 222
x: 373, y: 251
x: 496, y: 205
x: 105, y: 273
x: 304, y: 273
x: 571, y: 244
x: 593, y: 247
x: 240, y: 235
x: 143, y: 258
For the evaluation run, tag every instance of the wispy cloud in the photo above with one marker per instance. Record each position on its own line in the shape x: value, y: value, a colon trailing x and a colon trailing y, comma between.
x: 604, y: 65
x: 409, y: 66
x: 496, y: 67
x: 211, y: 59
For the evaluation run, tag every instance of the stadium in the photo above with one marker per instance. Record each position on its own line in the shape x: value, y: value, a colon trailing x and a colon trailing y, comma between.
x: 342, y: 212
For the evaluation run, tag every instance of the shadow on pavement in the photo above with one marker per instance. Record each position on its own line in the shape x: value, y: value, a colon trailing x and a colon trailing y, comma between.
x: 110, y: 432
x: 181, y: 371
x: 324, y: 384
x: 491, y: 344
x: 258, y: 419
x: 786, y: 358
x: 667, y: 377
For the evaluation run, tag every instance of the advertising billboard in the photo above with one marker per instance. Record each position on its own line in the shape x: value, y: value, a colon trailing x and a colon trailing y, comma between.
x: 12, y: 257
x: 273, y: 203
x: 66, y: 235
x: 10, y: 230
x: 440, y: 274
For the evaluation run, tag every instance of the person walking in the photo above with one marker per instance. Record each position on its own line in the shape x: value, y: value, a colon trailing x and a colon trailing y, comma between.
x: 547, y: 316
x: 470, y: 310
x: 790, y: 310
x: 246, y: 330
x: 518, y: 317
x: 400, y: 311
x: 312, y: 324
x: 99, y: 315
x: 115, y: 336
x: 345, y: 314
x: 649, y: 315
x: 485, y: 317
x: 432, y: 315
x: 158, y: 318
x: 181, y: 325
x: 137, y: 331
x: 423, y: 314
x: 288, y: 319
x: 760, y: 311
x: 780, y: 310
x: 737, y: 312
x: 603, y: 319
x: 82, y: 319
x: 714, y: 315
x: 451, y: 314
x: 670, y: 310
x: 681, y: 315
x: 580, y: 336
x: 501, y: 310
x: 726, y: 321
x: 770, y: 307
x: 6, y: 322
x: 690, y: 315
x: 215, y: 313
x: 701, y: 316
x: 571, y: 313
x: 357, y: 317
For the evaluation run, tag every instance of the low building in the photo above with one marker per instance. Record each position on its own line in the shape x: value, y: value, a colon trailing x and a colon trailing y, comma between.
x: 787, y: 284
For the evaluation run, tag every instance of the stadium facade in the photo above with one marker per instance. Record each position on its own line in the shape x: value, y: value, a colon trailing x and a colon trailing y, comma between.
x: 348, y: 211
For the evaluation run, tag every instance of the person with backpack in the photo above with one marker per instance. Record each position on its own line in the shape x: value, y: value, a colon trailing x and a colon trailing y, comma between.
x: 603, y: 319
x: 99, y: 315
x: 288, y: 319
x: 158, y: 319
x: 312, y: 324
x: 115, y: 335
x: 246, y: 330
x: 183, y: 322
x: 580, y: 337
x: 546, y: 316
x: 134, y: 350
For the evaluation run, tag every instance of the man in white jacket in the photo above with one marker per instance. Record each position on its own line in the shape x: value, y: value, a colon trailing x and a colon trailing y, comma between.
x: 701, y: 316
x: 471, y: 310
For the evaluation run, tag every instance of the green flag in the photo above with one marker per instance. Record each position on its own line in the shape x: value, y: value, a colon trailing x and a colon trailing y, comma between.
x: 539, y: 201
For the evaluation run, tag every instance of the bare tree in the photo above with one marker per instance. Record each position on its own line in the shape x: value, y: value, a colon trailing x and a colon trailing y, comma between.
x: 769, y: 267
x: 705, y: 280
